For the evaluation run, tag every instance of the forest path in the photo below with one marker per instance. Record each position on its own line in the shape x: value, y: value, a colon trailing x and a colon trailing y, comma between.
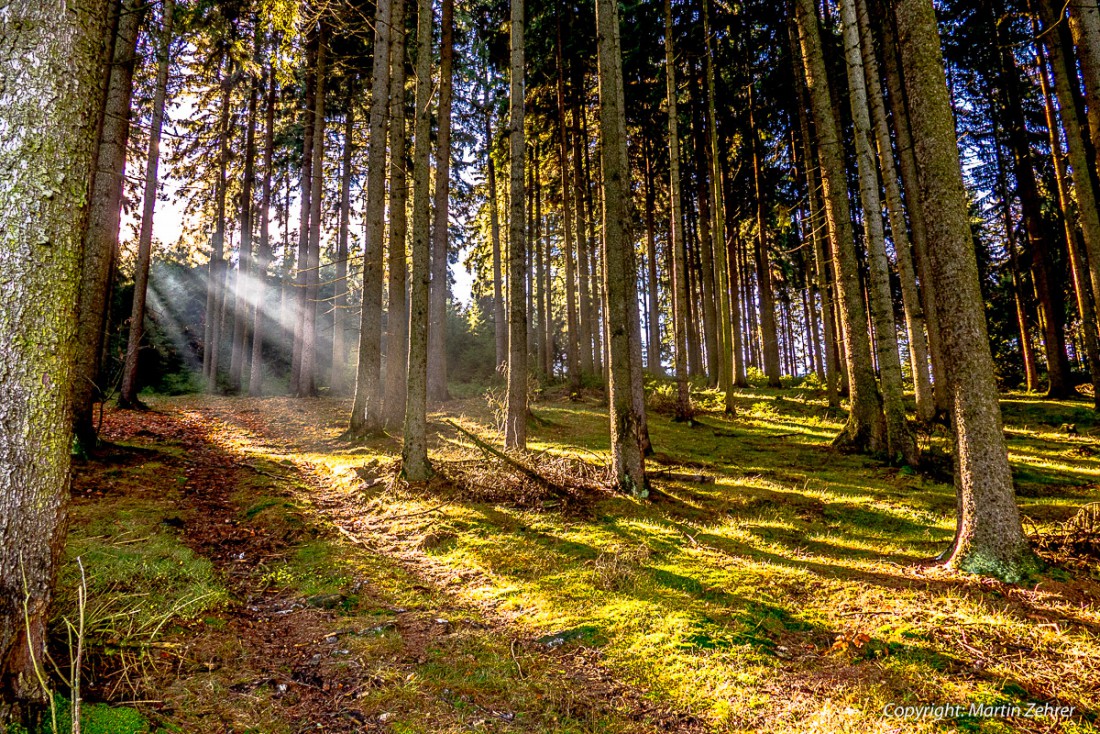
x: 336, y: 623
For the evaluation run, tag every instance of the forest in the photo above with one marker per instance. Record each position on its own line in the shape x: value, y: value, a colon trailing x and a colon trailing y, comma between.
x: 602, y: 366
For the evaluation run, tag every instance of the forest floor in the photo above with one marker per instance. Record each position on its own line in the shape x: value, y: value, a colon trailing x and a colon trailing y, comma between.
x: 249, y: 571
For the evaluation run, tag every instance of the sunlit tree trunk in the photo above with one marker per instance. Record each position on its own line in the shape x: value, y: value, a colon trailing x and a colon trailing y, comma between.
x: 414, y: 452
x: 989, y: 539
x: 263, y: 249
x: 500, y: 324
x: 769, y: 336
x: 899, y: 228
x: 215, y: 285
x: 865, y: 429
x: 50, y: 52
x: 366, y: 410
x: 515, y: 421
x: 397, y: 312
x: 437, y: 332
x: 128, y: 396
x: 901, y: 444
x: 676, y: 226
x: 704, y: 222
x: 620, y: 274
x: 305, y: 192
x: 653, y: 358
x: 101, y: 237
x: 307, y: 379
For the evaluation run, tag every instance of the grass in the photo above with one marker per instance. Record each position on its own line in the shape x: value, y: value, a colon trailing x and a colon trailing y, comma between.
x: 785, y: 596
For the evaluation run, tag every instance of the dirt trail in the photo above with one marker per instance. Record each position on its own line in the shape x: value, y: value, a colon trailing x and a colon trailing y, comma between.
x: 286, y: 663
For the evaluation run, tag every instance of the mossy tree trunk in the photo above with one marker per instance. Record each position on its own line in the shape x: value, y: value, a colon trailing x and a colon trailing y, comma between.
x: 52, y: 58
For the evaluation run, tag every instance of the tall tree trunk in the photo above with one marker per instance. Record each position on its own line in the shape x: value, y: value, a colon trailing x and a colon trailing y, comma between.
x: 101, y: 236
x: 907, y: 167
x: 397, y: 310
x: 1089, y: 218
x: 515, y: 422
x: 676, y: 226
x: 128, y: 395
x: 1049, y: 295
x: 307, y: 379
x: 414, y: 452
x: 769, y: 337
x: 578, y: 358
x: 305, y: 192
x: 901, y: 444
x: 1078, y: 266
x: 437, y: 331
x: 499, y: 319
x: 242, y: 301
x: 899, y: 228
x: 264, y: 249
x: 706, y: 243
x: 366, y: 409
x: 729, y: 322
x: 620, y: 275
x: 865, y: 429
x: 1084, y: 24
x: 339, y: 371
x: 55, y: 53
x: 653, y: 358
x: 215, y: 295
x: 589, y: 323
x: 990, y: 539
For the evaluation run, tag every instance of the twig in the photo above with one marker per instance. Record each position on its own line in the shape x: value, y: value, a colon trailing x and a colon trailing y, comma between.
x: 258, y: 470
x: 515, y: 660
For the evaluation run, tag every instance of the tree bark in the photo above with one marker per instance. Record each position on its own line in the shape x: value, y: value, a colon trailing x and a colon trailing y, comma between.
x: 900, y: 442
x: 305, y: 191
x: 307, y: 378
x: 620, y: 274
x: 128, y: 395
x: 414, y: 451
x: 242, y: 301
x: 397, y: 312
x: 865, y: 429
x: 216, y: 273
x: 101, y: 236
x: 653, y: 358
x: 437, y: 331
x: 366, y: 411
x: 769, y: 337
x: 989, y: 539
x: 50, y: 103
x: 499, y: 319
x: 339, y: 371
x: 515, y: 422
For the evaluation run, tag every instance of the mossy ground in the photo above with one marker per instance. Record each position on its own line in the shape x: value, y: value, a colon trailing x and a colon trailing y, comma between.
x: 788, y: 595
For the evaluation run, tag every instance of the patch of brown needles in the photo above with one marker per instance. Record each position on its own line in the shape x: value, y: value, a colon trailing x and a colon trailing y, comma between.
x: 1073, y: 544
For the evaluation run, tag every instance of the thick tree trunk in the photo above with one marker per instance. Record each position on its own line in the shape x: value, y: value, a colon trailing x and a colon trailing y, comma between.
x: 338, y: 373
x: 620, y: 274
x: 397, y: 310
x: 414, y: 452
x: 101, y: 236
x: 1084, y: 24
x: 865, y: 429
x: 263, y: 250
x: 990, y: 539
x: 676, y: 222
x: 515, y: 422
x: 901, y: 444
x: 51, y: 51
x: 366, y: 411
x: 899, y: 228
x: 128, y: 395
x: 437, y: 332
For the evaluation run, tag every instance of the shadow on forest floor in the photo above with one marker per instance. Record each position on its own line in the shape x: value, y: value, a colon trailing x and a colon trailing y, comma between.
x: 303, y: 584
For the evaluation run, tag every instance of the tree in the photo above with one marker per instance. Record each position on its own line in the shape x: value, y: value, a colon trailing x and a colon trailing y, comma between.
x: 101, y: 236
x: 989, y: 538
x: 263, y: 253
x: 414, y: 452
x: 128, y: 396
x: 627, y: 451
x: 865, y: 429
x: 53, y: 52
x: 337, y: 381
x: 366, y: 415
x: 515, y: 423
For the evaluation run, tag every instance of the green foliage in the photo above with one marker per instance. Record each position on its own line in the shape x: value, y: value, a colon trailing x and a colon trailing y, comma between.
x: 98, y: 719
